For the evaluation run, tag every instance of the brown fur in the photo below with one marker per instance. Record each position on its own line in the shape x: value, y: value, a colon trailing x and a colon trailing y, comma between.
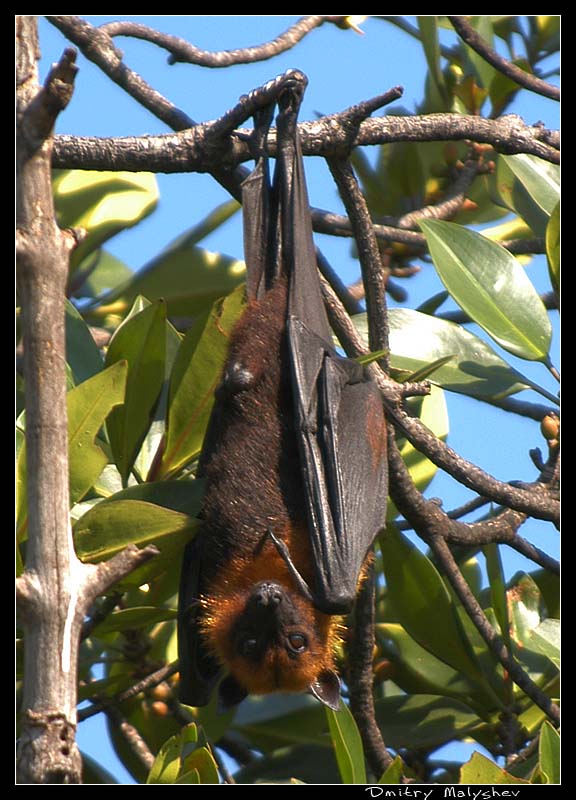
x: 255, y: 429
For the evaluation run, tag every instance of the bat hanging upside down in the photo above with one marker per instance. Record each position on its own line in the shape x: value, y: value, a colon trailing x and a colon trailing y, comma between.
x: 294, y: 463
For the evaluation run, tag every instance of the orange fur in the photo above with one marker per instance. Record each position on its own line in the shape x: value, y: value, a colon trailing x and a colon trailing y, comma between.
x: 227, y: 598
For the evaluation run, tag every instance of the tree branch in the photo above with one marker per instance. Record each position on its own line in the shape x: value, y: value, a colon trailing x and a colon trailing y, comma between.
x: 494, y: 641
x: 99, y: 48
x: 436, y: 529
x: 182, y: 51
x: 368, y: 252
x: 48, y: 752
x: 55, y: 590
x: 361, y: 678
x: 193, y: 150
x: 473, y: 39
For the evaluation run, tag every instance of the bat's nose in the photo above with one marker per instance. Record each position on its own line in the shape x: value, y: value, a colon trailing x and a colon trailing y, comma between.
x: 268, y: 595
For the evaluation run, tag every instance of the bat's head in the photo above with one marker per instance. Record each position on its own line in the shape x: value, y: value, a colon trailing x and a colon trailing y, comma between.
x: 271, y: 639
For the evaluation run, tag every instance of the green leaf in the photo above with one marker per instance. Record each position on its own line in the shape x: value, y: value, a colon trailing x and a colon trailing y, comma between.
x: 102, y: 203
x: 82, y: 354
x: 103, y: 274
x: 394, y: 773
x: 470, y: 365
x: 89, y: 404
x: 194, y: 379
x: 201, y: 763
x: 553, y: 248
x: 113, y: 524
x: 141, y: 341
x: 549, y: 754
x: 545, y: 639
x: 423, y: 721
x: 347, y: 745
x: 483, y: 70
x: 135, y: 617
x: 492, y: 287
x: 480, y: 770
x: 417, y: 671
x: 422, y: 604
x: 188, y: 278
x: 184, y: 496
x: 530, y: 187
x: 166, y: 765
x: 428, y: 26
x: 498, y: 589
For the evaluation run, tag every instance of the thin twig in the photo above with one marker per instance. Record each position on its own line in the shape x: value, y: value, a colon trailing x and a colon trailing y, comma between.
x: 534, y: 500
x: 446, y: 208
x: 131, y: 736
x: 182, y: 51
x: 99, y: 615
x: 494, y: 641
x: 362, y: 676
x: 99, y: 48
x: 473, y: 39
x: 151, y: 680
x: 368, y: 253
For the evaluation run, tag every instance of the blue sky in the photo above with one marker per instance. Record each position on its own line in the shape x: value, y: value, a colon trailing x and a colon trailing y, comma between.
x: 343, y: 68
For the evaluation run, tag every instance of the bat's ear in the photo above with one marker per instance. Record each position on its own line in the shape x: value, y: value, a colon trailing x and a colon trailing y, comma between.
x: 326, y: 688
x: 230, y: 693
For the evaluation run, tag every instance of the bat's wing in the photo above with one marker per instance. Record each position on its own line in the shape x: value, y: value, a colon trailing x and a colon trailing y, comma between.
x: 199, y: 671
x: 342, y: 439
x: 339, y: 415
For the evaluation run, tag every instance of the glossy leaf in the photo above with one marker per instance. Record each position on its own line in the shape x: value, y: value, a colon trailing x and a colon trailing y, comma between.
x: 82, y: 354
x: 481, y: 770
x: 188, y: 277
x: 529, y: 186
x: 141, y: 342
x: 194, y: 379
x: 394, y: 773
x: 549, y: 754
x: 474, y: 369
x: 492, y: 287
x: 102, y: 203
x: 545, y: 639
x: 103, y: 274
x: 498, y: 589
x: 423, y: 721
x: 184, y: 496
x: 553, y: 248
x: 428, y: 26
x: 484, y: 71
x: 312, y: 764
x: 347, y: 745
x: 421, y: 602
x: 113, y: 524
x: 200, y: 763
x: 417, y: 671
x: 89, y: 404
x: 166, y: 765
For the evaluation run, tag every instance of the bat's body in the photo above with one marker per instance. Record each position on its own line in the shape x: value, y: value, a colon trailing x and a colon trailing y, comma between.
x: 295, y: 469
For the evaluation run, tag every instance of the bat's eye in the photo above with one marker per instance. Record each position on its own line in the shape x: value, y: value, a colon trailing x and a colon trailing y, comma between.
x: 298, y: 642
x: 249, y: 647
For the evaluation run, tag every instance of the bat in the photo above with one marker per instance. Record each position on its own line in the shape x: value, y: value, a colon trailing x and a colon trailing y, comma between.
x: 294, y: 463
